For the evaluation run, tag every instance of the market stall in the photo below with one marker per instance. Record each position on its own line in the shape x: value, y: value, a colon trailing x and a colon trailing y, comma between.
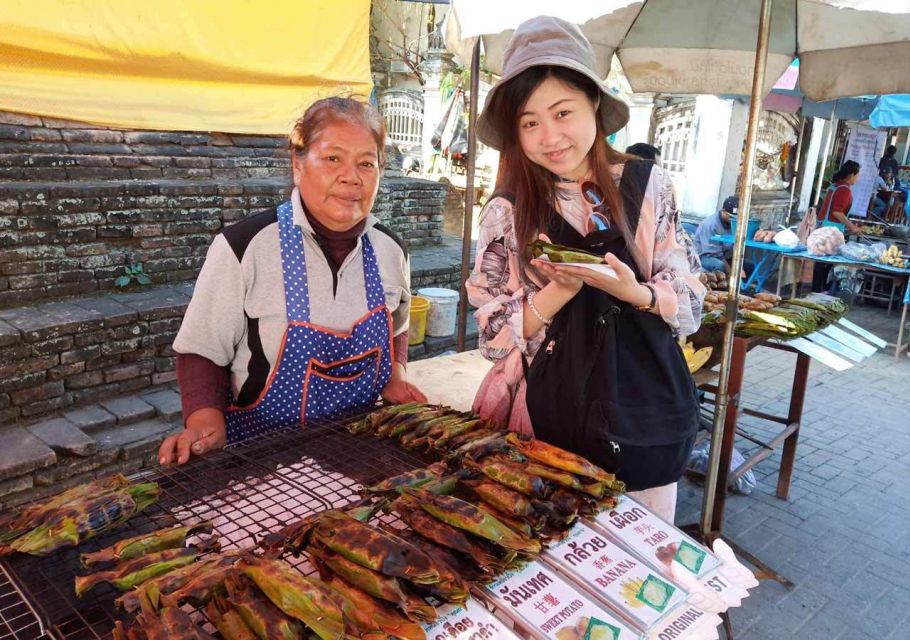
x: 896, y: 273
x: 265, y: 517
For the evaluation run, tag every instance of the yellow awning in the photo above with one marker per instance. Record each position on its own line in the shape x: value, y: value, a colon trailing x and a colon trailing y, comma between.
x: 191, y: 65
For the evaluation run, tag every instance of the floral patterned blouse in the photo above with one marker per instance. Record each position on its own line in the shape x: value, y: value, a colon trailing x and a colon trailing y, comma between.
x: 497, y: 286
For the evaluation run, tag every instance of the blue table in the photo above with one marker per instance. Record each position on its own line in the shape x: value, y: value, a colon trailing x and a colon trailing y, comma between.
x: 766, y: 263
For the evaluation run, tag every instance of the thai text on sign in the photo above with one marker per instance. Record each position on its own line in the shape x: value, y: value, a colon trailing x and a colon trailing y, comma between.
x: 554, y: 609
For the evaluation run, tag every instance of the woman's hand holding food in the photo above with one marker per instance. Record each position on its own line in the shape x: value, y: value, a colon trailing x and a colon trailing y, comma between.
x: 205, y: 431
x: 625, y: 286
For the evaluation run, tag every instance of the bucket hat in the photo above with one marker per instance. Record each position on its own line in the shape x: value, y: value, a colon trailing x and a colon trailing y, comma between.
x: 550, y: 41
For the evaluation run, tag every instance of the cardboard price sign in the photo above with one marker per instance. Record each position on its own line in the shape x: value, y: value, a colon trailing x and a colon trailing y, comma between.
x: 618, y: 576
x: 655, y: 540
x: 470, y: 622
x: 553, y: 608
x: 676, y: 555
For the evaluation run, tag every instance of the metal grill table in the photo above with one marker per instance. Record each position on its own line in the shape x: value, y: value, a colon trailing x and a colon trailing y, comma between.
x: 248, y: 491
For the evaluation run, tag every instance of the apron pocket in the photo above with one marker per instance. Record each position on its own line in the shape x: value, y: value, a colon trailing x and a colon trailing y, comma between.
x: 331, y: 390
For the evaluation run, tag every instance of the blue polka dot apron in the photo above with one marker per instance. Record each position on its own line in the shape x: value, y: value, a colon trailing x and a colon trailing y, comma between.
x: 319, y: 373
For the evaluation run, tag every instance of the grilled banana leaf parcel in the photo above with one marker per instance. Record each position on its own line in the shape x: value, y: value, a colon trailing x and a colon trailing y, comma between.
x: 34, y: 515
x: 131, y: 573
x: 369, y: 615
x: 560, y: 253
x: 415, y: 478
x: 561, y: 459
x: 448, y: 536
x: 374, y: 548
x: 257, y: 612
x: 85, y: 518
x: 228, y: 620
x: 300, y: 597
x: 140, y: 545
x: 467, y: 517
x: 372, y: 582
x: 175, y: 580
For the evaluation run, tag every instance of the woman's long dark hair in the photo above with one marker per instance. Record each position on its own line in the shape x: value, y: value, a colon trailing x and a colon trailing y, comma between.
x: 533, y: 186
x: 849, y: 168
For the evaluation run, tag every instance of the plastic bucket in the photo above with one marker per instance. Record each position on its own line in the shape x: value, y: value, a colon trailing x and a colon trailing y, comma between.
x: 751, y: 228
x: 443, y: 311
x: 417, y: 329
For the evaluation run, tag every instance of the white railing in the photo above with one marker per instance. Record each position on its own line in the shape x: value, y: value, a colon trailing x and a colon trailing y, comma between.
x: 402, y: 111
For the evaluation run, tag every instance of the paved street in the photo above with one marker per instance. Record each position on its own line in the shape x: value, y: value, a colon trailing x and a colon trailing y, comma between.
x: 842, y: 538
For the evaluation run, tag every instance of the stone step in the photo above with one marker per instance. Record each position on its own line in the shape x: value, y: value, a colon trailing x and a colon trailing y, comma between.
x: 120, y: 435
x: 62, y: 355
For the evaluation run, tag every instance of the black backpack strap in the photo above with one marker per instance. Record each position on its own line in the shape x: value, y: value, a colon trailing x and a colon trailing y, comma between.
x: 635, y: 176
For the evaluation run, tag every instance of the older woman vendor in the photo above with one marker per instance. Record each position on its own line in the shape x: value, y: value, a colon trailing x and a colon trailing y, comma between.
x: 300, y: 312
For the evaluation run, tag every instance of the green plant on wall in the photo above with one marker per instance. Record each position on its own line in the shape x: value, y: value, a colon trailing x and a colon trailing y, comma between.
x: 133, y: 273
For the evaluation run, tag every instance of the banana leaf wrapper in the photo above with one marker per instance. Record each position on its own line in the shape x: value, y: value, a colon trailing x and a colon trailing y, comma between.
x: 176, y: 579
x: 132, y: 573
x: 164, y: 624
x: 295, y: 536
x: 300, y: 597
x: 564, y: 460
x: 228, y: 620
x: 34, y: 515
x: 199, y: 590
x: 453, y: 431
x: 403, y: 423
x: 456, y: 562
x: 561, y: 253
x: 369, y: 615
x: 450, y: 537
x: 480, y: 448
x: 375, y: 419
x: 416, y: 478
x: 554, y: 518
x: 374, y: 548
x: 140, y: 545
x: 419, y: 435
x: 84, y: 519
x: 258, y: 614
x: 466, y: 438
x: 512, y: 476
x: 518, y: 526
x: 467, y: 517
x: 501, y: 497
x: 372, y: 582
x: 451, y: 586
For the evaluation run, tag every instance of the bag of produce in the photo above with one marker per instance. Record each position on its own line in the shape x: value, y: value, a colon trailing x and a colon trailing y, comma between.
x: 786, y: 239
x: 862, y: 252
x: 825, y: 241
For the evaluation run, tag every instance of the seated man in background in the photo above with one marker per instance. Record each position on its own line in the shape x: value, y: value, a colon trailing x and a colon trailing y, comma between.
x: 884, y: 185
x: 715, y: 256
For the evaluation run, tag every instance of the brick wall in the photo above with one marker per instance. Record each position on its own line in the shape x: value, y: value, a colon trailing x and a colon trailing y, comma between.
x: 78, y: 204
x: 47, y: 149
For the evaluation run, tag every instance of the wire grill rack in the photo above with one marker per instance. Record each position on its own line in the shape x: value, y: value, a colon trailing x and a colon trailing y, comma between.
x: 248, y: 491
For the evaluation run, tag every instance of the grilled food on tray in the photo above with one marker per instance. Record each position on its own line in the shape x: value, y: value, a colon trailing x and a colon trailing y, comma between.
x: 560, y: 253
x: 83, y: 516
x: 133, y: 572
x: 142, y: 544
x: 34, y: 515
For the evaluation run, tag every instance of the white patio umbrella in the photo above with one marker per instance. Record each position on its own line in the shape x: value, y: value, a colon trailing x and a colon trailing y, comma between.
x: 846, y: 48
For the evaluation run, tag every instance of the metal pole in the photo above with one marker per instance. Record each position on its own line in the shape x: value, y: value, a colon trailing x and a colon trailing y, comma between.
x: 828, y: 143
x: 739, y: 246
x: 797, y: 168
x: 469, y: 196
